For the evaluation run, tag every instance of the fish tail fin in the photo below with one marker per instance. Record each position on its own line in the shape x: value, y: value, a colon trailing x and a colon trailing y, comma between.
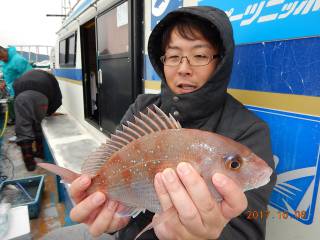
x: 157, y: 219
x: 67, y: 175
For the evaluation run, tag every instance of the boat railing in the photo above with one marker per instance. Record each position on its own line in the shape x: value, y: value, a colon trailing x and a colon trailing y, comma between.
x: 38, y: 55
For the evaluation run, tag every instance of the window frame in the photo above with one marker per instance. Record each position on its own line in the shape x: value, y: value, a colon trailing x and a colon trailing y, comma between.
x: 66, y: 61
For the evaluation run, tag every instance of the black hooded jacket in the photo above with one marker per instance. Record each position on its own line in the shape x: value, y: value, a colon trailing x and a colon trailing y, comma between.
x: 40, y: 81
x: 209, y: 108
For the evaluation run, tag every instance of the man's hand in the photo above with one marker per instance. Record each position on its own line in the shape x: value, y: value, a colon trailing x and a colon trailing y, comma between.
x: 95, y: 210
x: 2, y: 85
x: 198, y: 216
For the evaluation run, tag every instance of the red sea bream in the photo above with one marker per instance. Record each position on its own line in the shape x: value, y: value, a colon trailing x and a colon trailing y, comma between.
x: 124, y: 167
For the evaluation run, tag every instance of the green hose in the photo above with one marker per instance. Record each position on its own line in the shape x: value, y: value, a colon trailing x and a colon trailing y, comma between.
x: 5, y: 123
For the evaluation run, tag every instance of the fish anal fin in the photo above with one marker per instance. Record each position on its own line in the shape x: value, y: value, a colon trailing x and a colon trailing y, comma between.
x: 157, y: 219
x: 146, y: 228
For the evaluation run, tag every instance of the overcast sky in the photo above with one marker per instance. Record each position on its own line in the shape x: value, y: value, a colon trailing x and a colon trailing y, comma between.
x: 24, y: 22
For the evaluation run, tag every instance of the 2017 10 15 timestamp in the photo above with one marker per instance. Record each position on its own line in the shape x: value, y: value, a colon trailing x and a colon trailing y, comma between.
x: 281, y: 215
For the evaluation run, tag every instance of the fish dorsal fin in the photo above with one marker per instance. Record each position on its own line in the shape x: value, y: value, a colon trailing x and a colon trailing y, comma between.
x: 153, y: 120
x: 96, y: 160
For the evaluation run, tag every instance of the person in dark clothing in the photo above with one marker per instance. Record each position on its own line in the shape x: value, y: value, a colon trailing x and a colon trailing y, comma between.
x: 37, y: 94
x: 195, y: 63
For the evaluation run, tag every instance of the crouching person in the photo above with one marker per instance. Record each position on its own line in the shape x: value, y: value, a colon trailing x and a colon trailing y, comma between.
x: 37, y: 94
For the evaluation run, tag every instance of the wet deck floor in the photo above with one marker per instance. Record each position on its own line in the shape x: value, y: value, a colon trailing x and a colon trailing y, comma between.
x: 52, y: 214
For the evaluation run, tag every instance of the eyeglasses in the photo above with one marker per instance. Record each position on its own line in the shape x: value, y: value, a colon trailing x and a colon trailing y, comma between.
x: 194, y: 60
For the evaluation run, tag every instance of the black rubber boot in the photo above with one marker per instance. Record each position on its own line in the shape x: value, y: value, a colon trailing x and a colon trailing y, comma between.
x: 27, y: 154
x: 39, y: 148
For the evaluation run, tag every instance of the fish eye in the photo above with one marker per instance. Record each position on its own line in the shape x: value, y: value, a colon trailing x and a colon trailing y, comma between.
x: 233, y: 162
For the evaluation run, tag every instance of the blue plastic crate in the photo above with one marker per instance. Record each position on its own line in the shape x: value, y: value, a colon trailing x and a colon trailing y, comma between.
x: 28, y: 192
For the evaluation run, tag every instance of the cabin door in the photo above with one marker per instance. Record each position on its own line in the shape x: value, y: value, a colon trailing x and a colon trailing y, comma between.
x: 89, y: 72
x: 119, y: 54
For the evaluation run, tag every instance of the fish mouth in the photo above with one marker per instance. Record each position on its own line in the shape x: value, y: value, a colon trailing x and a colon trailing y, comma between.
x: 262, y: 179
x: 264, y: 182
x: 186, y: 87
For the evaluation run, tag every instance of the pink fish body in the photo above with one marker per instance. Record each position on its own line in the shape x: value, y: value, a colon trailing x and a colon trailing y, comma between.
x: 129, y: 173
x: 124, y: 167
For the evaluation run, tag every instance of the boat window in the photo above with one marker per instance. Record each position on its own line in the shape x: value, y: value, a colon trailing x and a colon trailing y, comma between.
x: 71, y: 43
x: 62, y: 52
x: 116, y: 21
x: 67, y: 51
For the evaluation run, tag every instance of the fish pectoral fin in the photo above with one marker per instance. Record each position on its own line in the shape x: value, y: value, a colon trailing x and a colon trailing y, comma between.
x: 67, y: 175
x: 157, y: 219
x: 130, y: 212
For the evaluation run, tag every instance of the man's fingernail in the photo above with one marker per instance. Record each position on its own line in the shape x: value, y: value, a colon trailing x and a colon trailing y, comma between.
x: 111, y: 204
x: 184, y: 168
x: 84, y: 180
x: 169, y: 175
x: 219, y: 179
x: 157, y: 179
x: 98, y: 198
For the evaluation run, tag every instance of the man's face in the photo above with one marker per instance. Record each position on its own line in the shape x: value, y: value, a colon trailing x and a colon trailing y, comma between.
x: 3, y: 55
x: 185, y: 78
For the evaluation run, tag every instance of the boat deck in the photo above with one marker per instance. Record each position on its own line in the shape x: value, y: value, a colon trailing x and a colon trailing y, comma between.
x: 52, y: 214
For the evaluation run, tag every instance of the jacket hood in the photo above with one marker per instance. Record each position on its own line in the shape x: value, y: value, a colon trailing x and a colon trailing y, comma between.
x: 11, y: 52
x: 205, y: 101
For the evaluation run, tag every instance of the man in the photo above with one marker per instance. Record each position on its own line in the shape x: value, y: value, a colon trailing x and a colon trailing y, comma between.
x: 13, y: 67
x: 37, y: 94
x: 192, y: 51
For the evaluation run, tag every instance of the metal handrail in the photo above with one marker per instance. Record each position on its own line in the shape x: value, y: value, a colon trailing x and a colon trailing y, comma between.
x: 67, y: 20
x: 21, y: 48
